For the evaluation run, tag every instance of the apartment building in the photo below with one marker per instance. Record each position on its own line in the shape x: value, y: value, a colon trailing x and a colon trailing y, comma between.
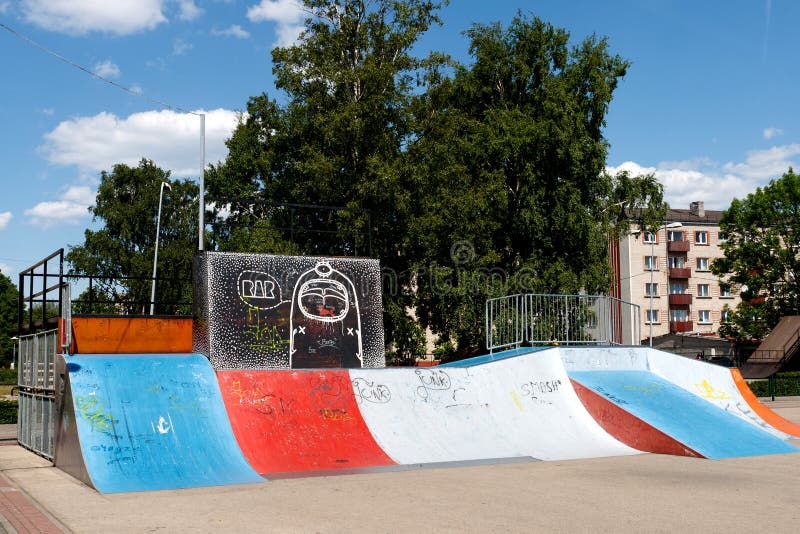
x: 668, y: 274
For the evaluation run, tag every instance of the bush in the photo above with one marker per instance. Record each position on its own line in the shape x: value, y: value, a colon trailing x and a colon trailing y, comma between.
x: 8, y: 376
x: 786, y: 385
x: 8, y: 412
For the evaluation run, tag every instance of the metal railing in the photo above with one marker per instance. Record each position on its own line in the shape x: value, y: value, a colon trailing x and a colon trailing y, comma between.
x: 544, y: 319
x: 36, y: 381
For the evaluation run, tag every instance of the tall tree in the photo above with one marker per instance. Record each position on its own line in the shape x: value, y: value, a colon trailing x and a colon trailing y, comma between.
x: 127, y: 206
x: 337, y: 141
x: 8, y: 317
x: 509, y: 163
x: 763, y: 235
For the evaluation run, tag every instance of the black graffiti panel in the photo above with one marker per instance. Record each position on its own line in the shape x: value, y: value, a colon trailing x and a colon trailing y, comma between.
x: 266, y: 311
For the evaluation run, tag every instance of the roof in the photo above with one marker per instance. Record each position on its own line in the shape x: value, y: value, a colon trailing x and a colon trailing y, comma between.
x: 686, y: 216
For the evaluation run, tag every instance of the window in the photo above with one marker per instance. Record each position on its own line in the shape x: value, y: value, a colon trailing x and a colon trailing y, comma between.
x: 651, y: 263
x: 725, y: 291
x: 652, y: 316
x: 672, y: 235
x: 725, y: 316
x: 678, y: 288
x: 677, y: 262
x: 678, y: 315
x: 722, y: 237
x: 702, y: 264
x: 703, y: 290
x: 651, y: 290
x: 704, y: 316
x: 650, y: 237
x: 701, y: 238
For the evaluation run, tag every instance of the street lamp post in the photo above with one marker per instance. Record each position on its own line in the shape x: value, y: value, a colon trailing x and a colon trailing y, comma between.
x: 652, y: 258
x: 155, y: 256
x: 15, y: 339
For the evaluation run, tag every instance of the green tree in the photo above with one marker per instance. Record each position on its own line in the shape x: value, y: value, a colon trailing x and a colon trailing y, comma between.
x: 509, y: 167
x: 127, y: 206
x: 336, y: 142
x: 8, y: 317
x: 763, y: 235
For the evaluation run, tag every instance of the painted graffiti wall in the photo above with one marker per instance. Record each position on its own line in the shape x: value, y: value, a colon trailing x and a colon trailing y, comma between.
x: 260, y: 311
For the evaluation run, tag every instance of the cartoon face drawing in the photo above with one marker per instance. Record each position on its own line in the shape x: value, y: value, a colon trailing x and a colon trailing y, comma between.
x: 325, y: 323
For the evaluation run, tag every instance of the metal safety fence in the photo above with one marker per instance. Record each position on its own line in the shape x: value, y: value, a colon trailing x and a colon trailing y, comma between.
x: 36, y: 380
x: 548, y: 319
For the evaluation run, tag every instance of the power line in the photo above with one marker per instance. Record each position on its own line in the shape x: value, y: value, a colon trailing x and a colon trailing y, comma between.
x: 71, y: 63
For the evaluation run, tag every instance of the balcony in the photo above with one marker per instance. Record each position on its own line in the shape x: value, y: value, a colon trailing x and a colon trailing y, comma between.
x: 680, y: 326
x: 680, y: 272
x: 680, y: 299
x: 678, y: 246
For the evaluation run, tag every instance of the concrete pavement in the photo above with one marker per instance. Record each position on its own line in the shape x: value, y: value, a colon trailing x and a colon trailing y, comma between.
x: 646, y: 493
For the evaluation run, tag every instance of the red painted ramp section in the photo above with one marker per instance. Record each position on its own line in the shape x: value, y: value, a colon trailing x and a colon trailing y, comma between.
x: 628, y: 428
x: 288, y: 421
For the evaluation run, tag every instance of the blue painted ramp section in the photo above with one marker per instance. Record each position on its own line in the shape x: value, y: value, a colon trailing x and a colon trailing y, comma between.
x: 149, y: 422
x: 486, y: 358
x: 689, y: 419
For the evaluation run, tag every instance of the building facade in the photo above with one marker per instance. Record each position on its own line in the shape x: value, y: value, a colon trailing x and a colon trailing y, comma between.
x: 668, y: 274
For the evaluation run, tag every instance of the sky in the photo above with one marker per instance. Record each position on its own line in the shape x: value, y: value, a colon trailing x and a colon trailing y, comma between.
x: 709, y: 104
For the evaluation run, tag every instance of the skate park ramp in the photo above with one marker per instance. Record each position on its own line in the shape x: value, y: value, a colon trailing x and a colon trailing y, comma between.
x: 674, y: 396
x: 146, y: 422
x: 316, y: 420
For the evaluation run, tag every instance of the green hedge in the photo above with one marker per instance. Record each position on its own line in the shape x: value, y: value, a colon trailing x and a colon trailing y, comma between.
x: 8, y: 412
x: 786, y: 385
x: 8, y: 376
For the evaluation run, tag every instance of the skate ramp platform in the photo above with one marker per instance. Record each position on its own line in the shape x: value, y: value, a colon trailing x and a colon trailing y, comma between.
x: 146, y: 422
x: 520, y: 408
x: 699, y: 426
x: 720, y: 386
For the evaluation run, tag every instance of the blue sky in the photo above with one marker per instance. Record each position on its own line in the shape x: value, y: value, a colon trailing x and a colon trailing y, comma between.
x: 709, y: 104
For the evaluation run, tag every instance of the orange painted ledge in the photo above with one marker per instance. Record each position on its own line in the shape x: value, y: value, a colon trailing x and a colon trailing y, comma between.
x: 762, y: 411
x: 131, y: 335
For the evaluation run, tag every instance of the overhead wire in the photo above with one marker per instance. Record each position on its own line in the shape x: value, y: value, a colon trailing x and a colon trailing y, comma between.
x: 73, y: 64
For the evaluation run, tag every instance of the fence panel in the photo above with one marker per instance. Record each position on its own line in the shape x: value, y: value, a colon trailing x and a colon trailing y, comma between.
x: 36, y: 380
x: 540, y: 319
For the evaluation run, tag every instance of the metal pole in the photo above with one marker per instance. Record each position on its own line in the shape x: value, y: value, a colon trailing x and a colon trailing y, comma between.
x: 155, y: 255
x: 15, y: 339
x: 652, y: 259
x: 202, y: 199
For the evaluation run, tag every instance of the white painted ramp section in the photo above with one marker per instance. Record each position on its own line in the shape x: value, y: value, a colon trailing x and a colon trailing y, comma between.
x: 518, y: 407
x: 604, y: 358
x: 711, y: 382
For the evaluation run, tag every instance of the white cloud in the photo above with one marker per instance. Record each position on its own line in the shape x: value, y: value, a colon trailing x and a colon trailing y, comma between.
x: 71, y: 207
x: 714, y: 183
x: 180, y: 47
x: 136, y: 88
x: 107, y: 69
x: 232, y: 31
x: 769, y: 133
x: 287, y: 14
x: 4, y: 7
x: 189, y: 10
x: 170, y: 139
x: 7, y: 270
x: 5, y: 218
x: 769, y: 163
x: 79, y: 17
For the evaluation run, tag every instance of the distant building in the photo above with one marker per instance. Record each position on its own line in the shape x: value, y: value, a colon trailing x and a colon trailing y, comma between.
x: 668, y: 274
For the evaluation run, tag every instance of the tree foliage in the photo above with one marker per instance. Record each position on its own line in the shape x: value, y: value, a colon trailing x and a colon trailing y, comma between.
x: 509, y: 165
x: 9, y: 305
x: 481, y: 179
x: 127, y: 205
x: 761, y: 256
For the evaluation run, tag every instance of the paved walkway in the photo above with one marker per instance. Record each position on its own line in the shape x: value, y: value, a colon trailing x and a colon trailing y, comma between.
x: 646, y: 493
